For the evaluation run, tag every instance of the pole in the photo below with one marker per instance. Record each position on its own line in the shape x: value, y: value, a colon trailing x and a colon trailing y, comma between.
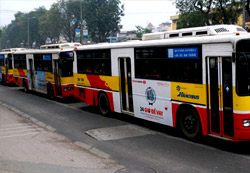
x: 0, y: 29
x: 28, y: 33
x: 81, y: 29
x: 244, y: 14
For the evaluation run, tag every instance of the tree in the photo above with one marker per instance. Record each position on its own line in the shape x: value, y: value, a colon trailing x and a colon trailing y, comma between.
x: 70, y: 12
x: 193, y: 8
x: 202, y: 12
x: 140, y: 31
x: 14, y: 34
x: 102, y: 18
x: 51, y: 24
x: 193, y: 19
x: 35, y: 16
x: 226, y: 11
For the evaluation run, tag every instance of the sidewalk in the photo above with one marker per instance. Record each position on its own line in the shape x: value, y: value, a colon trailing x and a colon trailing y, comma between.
x: 27, y: 147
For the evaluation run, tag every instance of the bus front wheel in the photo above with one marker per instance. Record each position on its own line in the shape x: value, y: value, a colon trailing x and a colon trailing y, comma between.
x: 103, y: 104
x: 189, y: 123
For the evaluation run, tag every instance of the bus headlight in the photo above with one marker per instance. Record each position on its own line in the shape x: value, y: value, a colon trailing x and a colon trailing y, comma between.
x: 246, y: 123
x: 68, y: 89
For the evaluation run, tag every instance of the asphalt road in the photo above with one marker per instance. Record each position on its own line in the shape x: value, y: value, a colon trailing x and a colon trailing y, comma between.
x: 139, y: 145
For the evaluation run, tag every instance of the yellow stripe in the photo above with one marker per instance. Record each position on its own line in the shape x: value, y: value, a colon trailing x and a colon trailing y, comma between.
x: 50, y: 77
x: 111, y: 82
x: 191, y: 93
x: 240, y: 103
x: 81, y: 79
x: 67, y: 80
x: 3, y: 69
x: 16, y: 72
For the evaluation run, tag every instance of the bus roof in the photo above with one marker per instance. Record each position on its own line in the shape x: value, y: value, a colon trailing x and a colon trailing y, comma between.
x: 11, y: 50
x: 228, y: 37
x: 196, y: 31
x: 60, y: 45
x: 48, y: 51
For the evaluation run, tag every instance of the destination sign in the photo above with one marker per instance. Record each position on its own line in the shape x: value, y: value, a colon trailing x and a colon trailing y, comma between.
x: 187, y: 52
x: 47, y: 57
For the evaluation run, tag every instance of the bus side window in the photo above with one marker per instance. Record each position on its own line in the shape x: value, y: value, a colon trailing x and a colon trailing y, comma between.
x: 169, y: 74
x: 88, y: 69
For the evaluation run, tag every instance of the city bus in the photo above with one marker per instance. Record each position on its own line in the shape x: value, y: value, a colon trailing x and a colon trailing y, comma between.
x: 20, y: 70
x: 49, y: 70
x: 6, y: 65
x: 196, y: 80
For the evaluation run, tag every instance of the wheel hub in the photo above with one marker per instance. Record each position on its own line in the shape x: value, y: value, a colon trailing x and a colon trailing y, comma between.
x: 189, y: 122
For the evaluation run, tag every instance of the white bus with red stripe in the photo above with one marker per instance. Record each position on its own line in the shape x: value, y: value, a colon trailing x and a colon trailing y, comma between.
x: 195, y: 79
x: 48, y: 70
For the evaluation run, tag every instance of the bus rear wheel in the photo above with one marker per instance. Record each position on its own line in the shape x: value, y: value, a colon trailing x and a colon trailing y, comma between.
x: 50, y: 92
x: 103, y: 104
x: 189, y: 123
x: 25, y: 86
x: 3, y: 80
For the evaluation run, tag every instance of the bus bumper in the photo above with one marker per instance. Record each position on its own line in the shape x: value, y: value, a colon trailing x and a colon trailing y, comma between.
x: 241, y: 133
x: 67, y: 90
x: 79, y: 93
x: 11, y: 78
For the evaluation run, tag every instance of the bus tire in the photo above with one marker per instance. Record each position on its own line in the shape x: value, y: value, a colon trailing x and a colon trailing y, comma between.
x: 3, y: 80
x: 50, y: 92
x: 103, y: 104
x: 25, y: 86
x: 189, y: 123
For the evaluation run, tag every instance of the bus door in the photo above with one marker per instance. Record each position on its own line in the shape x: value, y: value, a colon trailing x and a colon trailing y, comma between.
x: 6, y: 68
x: 126, y: 85
x: 220, y: 96
x: 31, y: 74
x: 57, y: 74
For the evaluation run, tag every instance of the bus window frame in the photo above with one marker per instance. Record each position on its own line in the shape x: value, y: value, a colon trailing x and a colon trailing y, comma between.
x: 241, y: 48
x: 20, y: 60
x: 44, y: 62
x: 171, y: 61
x: 91, y: 62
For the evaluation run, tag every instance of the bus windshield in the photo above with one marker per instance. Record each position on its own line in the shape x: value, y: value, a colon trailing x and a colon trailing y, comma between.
x: 9, y: 61
x: 243, y: 67
x: 66, y: 64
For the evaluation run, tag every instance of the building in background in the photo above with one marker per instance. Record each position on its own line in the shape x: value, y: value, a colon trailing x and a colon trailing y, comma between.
x: 165, y: 26
x: 174, y: 21
x: 125, y: 35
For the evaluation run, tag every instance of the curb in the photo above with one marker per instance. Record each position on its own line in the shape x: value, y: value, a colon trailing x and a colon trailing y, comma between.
x: 91, y: 149
x: 26, y: 116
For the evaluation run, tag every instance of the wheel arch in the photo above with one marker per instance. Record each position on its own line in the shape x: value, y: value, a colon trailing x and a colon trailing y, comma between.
x: 110, y: 98
x: 198, y: 111
x: 24, y: 81
x: 50, y: 85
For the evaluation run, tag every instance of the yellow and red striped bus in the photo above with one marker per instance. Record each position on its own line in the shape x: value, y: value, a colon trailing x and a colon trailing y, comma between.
x: 195, y: 79
x: 6, y: 65
x: 20, y: 70
x: 48, y: 70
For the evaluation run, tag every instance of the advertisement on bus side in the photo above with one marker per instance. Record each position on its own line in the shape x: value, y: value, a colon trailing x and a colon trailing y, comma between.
x: 0, y: 74
x: 40, y: 81
x: 152, y: 101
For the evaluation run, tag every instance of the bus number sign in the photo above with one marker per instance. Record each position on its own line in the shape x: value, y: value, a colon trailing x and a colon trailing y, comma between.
x: 47, y: 57
x: 187, y: 52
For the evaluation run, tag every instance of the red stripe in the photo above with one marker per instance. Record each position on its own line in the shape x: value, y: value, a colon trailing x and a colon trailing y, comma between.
x: 96, y: 82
